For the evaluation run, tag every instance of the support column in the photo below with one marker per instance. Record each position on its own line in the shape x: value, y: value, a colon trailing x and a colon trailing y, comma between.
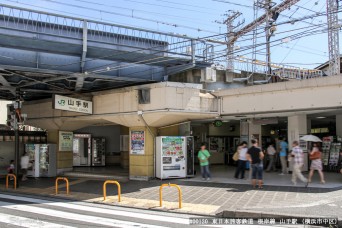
x: 254, y: 132
x: 296, y: 126
x: 339, y: 125
x: 64, y: 158
x: 249, y: 131
x: 141, y: 165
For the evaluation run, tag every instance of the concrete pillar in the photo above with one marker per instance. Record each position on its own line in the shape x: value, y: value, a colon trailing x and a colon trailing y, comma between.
x: 64, y: 158
x: 339, y: 125
x: 254, y: 132
x: 309, y: 126
x: 141, y: 166
x: 296, y: 126
x: 249, y: 131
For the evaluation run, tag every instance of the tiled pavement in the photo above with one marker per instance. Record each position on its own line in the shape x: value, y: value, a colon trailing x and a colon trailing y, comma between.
x: 201, y: 197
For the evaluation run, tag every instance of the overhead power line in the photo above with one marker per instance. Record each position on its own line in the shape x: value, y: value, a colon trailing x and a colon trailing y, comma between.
x: 132, y: 16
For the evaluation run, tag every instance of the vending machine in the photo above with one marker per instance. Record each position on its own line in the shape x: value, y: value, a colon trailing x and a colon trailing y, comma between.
x: 82, y: 150
x: 174, y: 157
x: 99, y: 151
x: 190, y: 156
x: 43, y: 160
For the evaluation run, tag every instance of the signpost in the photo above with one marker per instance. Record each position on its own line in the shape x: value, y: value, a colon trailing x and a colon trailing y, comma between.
x: 72, y: 104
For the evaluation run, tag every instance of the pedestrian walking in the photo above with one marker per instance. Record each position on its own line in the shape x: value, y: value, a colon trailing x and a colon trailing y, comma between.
x: 316, y: 163
x: 283, y: 146
x: 271, y: 152
x: 298, y: 163
x: 241, y: 163
x: 203, y: 157
x: 255, y: 156
x: 24, y: 163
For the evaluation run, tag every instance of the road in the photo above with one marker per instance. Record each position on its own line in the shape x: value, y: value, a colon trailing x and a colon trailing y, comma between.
x: 28, y: 211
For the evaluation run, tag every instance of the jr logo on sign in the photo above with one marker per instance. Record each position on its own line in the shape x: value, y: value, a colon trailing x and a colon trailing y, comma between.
x: 61, y: 102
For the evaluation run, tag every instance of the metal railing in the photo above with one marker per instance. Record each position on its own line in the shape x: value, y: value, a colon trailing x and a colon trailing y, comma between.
x: 170, y: 185
x: 14, y: 180
x: 105, y: 189
x: 285, y: 72
x: 66, y: 182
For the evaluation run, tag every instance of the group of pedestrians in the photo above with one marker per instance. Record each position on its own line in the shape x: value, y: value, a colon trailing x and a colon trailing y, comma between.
x: 255, y: 156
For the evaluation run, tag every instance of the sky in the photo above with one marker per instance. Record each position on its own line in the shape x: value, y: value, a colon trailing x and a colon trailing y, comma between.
x: 198, y: 18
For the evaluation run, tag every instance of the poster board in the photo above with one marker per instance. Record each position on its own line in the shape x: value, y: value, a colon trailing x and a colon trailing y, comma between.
x: 65, y: 141
x: 137, y: 142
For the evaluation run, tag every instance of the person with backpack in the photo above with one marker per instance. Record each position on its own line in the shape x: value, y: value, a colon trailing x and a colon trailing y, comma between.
x: 203, y: 157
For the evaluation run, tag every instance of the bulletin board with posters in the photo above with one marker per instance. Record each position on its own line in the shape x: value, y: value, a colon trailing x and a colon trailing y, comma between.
x: 65, y: 141
x: 137, y: 143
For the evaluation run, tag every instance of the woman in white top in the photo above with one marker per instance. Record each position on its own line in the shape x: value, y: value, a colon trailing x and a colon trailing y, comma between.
x: 241, y: 163
x: 271, y: 155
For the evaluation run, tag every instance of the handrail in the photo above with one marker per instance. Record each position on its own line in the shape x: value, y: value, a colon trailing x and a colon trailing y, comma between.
x: 67, y: 184
x: 15, y: 180
x: 170, y: 185
x: 105, y: 190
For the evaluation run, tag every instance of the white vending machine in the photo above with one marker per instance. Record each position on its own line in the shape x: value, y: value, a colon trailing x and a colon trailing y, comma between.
x: 43, y: 160
x: 171, y: 157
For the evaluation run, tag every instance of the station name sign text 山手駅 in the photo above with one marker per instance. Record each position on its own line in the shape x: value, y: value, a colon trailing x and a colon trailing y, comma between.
x: 72, y: 104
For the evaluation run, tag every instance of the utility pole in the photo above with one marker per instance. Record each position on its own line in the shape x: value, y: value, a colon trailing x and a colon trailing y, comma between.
x: 229, y: 22
x: 17, y: 115
x: 268, y: 36
x: 333, y: 37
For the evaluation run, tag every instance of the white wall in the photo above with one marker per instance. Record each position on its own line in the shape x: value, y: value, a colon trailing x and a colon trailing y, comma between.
x: 3, y: 111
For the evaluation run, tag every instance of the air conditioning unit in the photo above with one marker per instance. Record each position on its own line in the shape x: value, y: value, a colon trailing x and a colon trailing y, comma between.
x: 208, y: 75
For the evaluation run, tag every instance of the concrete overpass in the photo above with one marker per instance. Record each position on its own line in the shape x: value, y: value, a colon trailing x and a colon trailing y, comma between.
x: 43, y: 53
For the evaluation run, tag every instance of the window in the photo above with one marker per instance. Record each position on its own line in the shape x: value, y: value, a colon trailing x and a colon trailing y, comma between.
x: 144, y: 96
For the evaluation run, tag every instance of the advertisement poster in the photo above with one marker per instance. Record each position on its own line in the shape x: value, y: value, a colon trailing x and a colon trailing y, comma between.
x: 65, y: 141
x: 138, y: 142
x: 173, y: 146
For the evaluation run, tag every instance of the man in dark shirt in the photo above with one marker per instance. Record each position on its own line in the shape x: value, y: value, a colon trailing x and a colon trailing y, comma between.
x: 255, y: 157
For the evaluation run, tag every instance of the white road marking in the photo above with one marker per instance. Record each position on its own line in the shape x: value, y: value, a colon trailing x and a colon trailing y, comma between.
x: 13, y: 220
x: 75, y: 217
x: 102, y: 210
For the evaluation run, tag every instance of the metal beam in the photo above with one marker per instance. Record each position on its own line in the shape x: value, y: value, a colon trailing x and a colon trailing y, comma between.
x: 6, y: 84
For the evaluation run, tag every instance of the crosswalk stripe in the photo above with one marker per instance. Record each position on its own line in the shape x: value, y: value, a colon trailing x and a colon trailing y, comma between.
x: 75, y: 216
x: 102, y: 210
x: 14, y: 220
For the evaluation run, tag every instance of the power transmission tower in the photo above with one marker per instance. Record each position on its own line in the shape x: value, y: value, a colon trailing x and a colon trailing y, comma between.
x: 333, y: 37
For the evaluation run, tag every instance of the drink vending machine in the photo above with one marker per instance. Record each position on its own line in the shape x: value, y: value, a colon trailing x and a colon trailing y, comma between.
x: 43, y: 160
x: 174, y: 157
x: 99, y: 151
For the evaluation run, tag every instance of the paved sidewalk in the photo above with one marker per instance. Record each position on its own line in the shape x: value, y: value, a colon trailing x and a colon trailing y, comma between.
x: 204, y: 198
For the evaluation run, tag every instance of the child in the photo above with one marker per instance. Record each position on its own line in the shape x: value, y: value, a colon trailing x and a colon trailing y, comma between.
x: 10, y: 169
